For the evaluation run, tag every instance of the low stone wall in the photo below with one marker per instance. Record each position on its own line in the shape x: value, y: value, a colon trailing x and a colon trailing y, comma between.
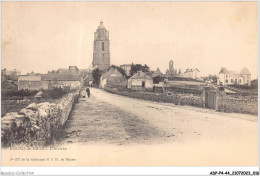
x: 176, y: 98
x: 239, y: 104
x: 37, y: 124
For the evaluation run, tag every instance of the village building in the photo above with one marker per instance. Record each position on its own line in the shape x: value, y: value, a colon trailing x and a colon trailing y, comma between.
x: 112, y: 79
x: 227, y: 77
x: 191, y: 73
x: 64, y: 81
x: 70, y: 70
x: 126, y: 68
x: 31, y: 81
x: 11, y: 74
x: 140, y: 81
x: 63, y: 78
x: 157, y: 72
x: 171, y: 71
x: 101, y: 51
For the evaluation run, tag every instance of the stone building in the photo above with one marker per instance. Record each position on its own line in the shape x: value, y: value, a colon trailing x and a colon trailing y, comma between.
x: 171, y: 71
x: 140, y: 81
x: 65, y: 80
x: 11, y: 74
x: 227, y: 77
x: 112, y: 79
x: 191, y: 73
x: 101, y: 51
x: 126, y: 68
x: 31, y: 81
x: 157, y: 72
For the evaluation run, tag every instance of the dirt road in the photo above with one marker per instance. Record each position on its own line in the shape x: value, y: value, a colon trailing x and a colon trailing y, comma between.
x: 194, y: 136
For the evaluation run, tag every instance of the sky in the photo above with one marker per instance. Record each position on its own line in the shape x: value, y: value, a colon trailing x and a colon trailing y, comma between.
x: 44, y: 36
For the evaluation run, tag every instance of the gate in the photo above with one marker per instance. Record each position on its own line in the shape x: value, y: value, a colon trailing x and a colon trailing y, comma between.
x: 210, y: 99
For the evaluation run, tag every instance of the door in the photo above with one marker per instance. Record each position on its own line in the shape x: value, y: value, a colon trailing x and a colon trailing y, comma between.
x: 143, y: 84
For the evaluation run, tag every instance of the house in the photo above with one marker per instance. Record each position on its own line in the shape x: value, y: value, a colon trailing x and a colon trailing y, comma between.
x: 126, y: 68
x: 157, y: 72
x: 31, y: 81
x: 70, y: 70
x: 112, y: 79
x: 11, y: 74
x: 191, y: 73
x: 140, y: 81
x: 65, y: 81
x: 227, y: 77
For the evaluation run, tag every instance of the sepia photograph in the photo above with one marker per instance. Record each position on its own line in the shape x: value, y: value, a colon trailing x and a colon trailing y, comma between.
x: 129, y: 83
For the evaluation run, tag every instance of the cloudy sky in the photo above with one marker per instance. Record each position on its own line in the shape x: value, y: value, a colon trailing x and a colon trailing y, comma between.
x: 42, y: 36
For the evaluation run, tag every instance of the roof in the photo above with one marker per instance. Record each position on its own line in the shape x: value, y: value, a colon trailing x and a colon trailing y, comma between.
x: 126, y: 65
x: 60, y: 77
x: 245, y: 71
x: 140, y: 75
x: 223, y: 71
x: 191, y: 70
x: 39, y: 94
x: 158, y: 71
x: 112, y: 72
x: 101, y: 26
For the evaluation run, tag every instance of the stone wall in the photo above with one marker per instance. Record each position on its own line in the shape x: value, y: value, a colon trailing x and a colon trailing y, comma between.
x: 176, y: 98
x: 37, y: 124
x: 238, y: 103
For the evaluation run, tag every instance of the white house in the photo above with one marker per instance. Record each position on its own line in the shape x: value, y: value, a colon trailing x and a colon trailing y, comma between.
x: 227, y: 77
x: 191, y: 73
x: 140, y: 81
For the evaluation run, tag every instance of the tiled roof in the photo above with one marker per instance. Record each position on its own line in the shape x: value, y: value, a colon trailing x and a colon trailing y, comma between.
x: 110, y: 72
x: 60, y: 77
x: 223, y: 71
x: 140, y: 75
x: 245, y: 71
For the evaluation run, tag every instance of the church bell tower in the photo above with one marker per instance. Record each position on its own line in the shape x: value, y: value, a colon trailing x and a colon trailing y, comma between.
x: 101, y: 53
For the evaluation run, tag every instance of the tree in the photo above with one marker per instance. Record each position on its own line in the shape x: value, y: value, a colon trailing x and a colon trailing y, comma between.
x: 254, y: 83
x: 121, y: 70
x: 96, y: 73
x: 138, y: 67
x: 157, y: 79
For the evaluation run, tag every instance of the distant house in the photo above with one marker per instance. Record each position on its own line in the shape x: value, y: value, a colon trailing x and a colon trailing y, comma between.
x: 157, y: 72
x: 70, y: 70
x: 31, y: 81
x: 191, y: 73
x: 227, y: 77
x: 140, y: 81
x: 65, y: 81
x: 126, y: 68
x: 11, y: 74
x: 112, y: 79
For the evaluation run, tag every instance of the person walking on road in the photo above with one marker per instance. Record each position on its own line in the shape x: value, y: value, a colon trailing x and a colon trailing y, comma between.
x: 88, y: 92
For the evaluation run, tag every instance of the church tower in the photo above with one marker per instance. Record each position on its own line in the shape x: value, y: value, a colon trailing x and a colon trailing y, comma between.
x: 101, y: 53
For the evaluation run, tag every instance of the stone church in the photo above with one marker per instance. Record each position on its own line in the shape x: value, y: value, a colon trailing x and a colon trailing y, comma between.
x: 101, y: 53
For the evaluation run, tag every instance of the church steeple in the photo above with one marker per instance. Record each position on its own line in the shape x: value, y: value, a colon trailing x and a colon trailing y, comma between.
x: 101, y: 51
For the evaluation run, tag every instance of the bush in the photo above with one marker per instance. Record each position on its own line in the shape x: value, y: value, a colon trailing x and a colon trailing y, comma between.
x: 55, y: 93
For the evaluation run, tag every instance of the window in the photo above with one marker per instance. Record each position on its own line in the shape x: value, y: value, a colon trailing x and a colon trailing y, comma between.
x: 240, y: 81
x: 226, y: 81
x: 143, y: 83
x: 103, y: 46
x: 103, y: 57
x: 232, y: 81
x: 226, y: 76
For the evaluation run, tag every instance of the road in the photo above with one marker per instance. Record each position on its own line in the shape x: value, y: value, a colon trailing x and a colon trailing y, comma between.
x: 195, y: 136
